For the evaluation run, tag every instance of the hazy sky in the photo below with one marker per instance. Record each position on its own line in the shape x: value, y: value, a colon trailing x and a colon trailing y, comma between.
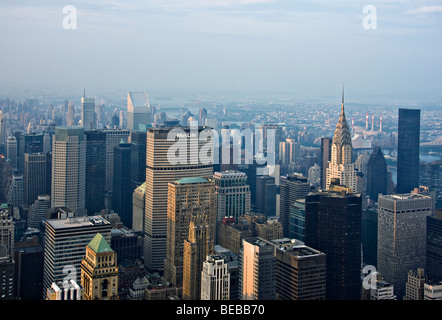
x: 306, y: 48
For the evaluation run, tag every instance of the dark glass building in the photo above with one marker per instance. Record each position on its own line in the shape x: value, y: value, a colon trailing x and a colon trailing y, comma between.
x: 95, y: 171
x: 333, y: 226
x: 266, y: 195
x: 292, y: 187
x: 408, y: 150
x: 27, y: 143
x: 377, y: 174
x: 121, y: 186
x: 434, y: 246
x: 138, y: 159
x: 369, y: 235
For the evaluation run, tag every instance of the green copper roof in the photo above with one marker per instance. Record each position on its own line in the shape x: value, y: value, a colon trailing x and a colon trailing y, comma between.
x: 99, y: 244
x: 191, y: 180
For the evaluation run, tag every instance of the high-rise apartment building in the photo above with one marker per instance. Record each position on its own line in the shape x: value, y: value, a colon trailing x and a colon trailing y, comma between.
x: 232, y: 193
x: 341, y: 165
x: 377, y: 174
x: 161, y: 168
x: 408, y: 150
x: 215, y: 279
x: 99, y: 271
x: 257, y: 265
x: 139, y: 111
x: 197, y: 247
x: 187, y: 198
x: 88, y: 115
x: 292, y: 187
x: 402, y: 236
x: 69, y: 169
x: 333, y: 226
x: 65, y: 244
x: 300, y: 271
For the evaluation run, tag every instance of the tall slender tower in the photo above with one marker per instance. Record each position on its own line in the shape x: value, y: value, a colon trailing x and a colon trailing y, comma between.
x: 88, y: 115
x: 69, y: 169
x: 341, y: 165
x: 408, y: 150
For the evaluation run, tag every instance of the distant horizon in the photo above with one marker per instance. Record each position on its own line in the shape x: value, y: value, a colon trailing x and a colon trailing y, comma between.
x: 245, y: 48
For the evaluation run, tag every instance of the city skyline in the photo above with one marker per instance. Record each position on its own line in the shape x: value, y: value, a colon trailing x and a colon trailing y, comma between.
x: 249, y: 47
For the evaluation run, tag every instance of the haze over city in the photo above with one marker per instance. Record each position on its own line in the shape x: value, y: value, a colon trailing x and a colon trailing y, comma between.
x: 301, y: 49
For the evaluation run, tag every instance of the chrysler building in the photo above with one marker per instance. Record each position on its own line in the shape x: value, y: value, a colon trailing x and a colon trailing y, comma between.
x: 340, y: 165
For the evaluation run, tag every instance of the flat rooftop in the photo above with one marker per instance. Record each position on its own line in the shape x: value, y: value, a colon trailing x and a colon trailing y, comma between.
x: 73, y: 222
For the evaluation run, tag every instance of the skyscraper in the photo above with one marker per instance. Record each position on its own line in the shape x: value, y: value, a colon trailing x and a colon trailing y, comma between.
x: 408, y: 150
x: 37, y: 176
x: 69, y: 169
x: 99, y: 271
x: 434, y: 246
x: 341, y: 165
x: 232, y: 194
x: 215, y: 279
x: 266, y: 195
x: 7, y: 263
x: 88, y: 115
x: 325, y: 158
x: 197, y: 247
x: 65, y: 241
x: 138, y: 203
x: 333, y: 226
x: 377, y: 174
x: 28, y: 143
x: 139, y: 111
x: 113, y: 139
x: 38, y: 210
x: 138, y: 159
x: 292, y: 187
x: 16, y: 190
x: 159, y: 172
x: 257, y: 265
x: 95, y: 171
x: 70, y: 114
x: 187, y: 197
x: 402, y: 236
x: 121, y: 187
x: 300, y: 271
x: 11, y: 151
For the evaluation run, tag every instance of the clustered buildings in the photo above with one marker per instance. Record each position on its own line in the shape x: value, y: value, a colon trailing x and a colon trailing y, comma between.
x: 138, y: 213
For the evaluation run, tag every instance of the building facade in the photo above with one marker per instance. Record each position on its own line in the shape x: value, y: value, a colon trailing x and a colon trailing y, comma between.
x: 68, y: 185
x: 160, y: 170
x: 401, y: 236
